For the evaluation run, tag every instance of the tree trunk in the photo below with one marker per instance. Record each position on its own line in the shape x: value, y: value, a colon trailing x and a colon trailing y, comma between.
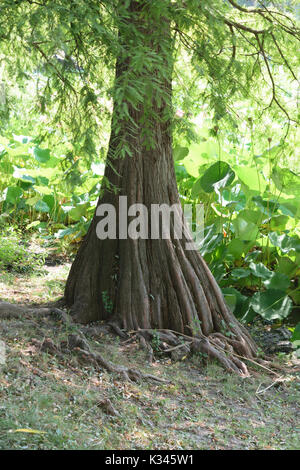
x: 148, y: 283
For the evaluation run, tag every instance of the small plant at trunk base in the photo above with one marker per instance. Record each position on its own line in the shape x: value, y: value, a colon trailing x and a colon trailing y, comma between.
x: 155, y: 343
x: 225, y: 330
x: 107, y: 302
x: 203, y: 357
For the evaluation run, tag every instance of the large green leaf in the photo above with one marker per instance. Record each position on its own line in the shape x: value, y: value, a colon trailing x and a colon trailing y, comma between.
x: 295, y: 295
x: 272, y: 304
x: 290, y: 208
x: 296, y: 333
x: 13, y: 194
x: 238, y: 303
x: 20, y: 175
x: 43, y: 189
x: 244, y: 229
x: 41, y: 155
x: 277, y: 281
x: 251, y: 216
x: 286, y: 266
x: 284, y: 242
x: 180, y: 152
x: 260, y: 270
x: 268, y: 207
x: 239, y: 273
x: 180, y: 171
x: 32, y: 200
x: 79, y: 210
x: 252, y: 256
x: 41, y: 206
x: 217, y: 175
x: 196, y: 189
x: 49, y: 200
x: 251, y: 178
x: 233, y: 197
x: 278, y: 222
x: 236, y: 248
x: 286, y: 181
x: 198, y: 156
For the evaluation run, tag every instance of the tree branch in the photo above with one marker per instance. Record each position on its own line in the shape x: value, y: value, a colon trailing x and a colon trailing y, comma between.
x: 283, y: 58
x: 245, y: 10
x: 274, y: 97
x: 243, y: 27
x: 60, y: 76
x: 265, y: 11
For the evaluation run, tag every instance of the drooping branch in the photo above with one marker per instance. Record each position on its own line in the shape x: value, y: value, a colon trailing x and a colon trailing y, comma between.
x: 36, y: 45
x: 233, y: 47
x: 263, y: 12
x: 244, y: 27
x: 283, y: 57
x: 246, y: 10
x: 274, y: 96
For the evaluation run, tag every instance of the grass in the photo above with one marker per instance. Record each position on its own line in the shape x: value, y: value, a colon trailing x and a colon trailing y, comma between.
x: 202, y: 407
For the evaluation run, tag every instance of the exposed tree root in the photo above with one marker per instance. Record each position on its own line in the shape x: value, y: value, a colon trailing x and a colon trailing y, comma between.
x: 108, y: 407
x: 8, y: 311
x: 117, y: 330
x: 81, y: 347
x: 130, y: 374
x: 147, y: 347
x: 217, y: 346
x: 228, y: 351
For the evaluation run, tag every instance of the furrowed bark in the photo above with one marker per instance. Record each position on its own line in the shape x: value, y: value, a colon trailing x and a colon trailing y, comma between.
x: 150, y: 283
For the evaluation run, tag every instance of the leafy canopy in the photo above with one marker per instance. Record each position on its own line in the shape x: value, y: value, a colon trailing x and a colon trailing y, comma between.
x: 223, y: 53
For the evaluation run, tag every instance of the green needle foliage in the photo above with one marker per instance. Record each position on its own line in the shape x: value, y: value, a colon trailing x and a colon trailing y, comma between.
x: 231, y: 53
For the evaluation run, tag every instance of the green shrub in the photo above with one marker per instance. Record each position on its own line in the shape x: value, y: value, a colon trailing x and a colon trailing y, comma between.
x: 14, y: 255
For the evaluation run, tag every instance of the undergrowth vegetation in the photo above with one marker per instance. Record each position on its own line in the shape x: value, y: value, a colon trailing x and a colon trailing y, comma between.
x: 14, y: 253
